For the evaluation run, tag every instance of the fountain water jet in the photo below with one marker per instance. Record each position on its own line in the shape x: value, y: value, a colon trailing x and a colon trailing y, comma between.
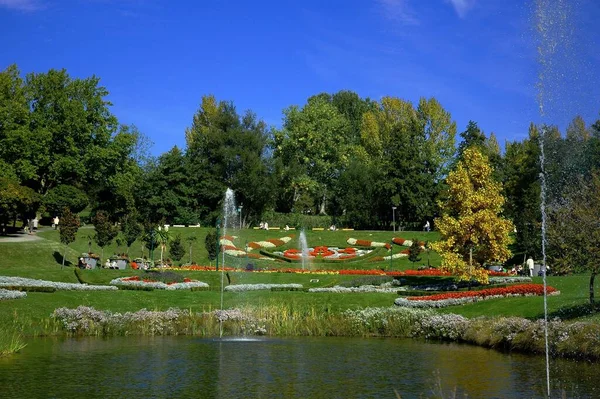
x: 229, y: 219
x: 303, y: 248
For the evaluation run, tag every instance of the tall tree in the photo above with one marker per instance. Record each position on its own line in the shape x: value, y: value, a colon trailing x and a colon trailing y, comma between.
x: 473, y: 136
x: 575, y: 231
x: 105, y: 230
x: 224, y: 151
x: 131, y: 229
x: 472, y: 228
x: 69, y: 224
x: 315, y: 138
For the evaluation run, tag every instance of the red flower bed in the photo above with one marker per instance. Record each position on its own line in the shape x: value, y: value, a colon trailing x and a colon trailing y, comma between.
x: 521, y: 289
x: 133, y: 278
x: 276, y: 242
x: 228, y: 247
x: 497, y: 274
x: 322, y: 251
x: 254, y: 245
x: 227, y: 237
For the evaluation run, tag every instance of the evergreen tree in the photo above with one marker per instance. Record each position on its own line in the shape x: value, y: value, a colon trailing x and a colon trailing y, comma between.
x: 176, y: 249
x: 414, y: 251
x: 105, y: 231
x: 211, y: 245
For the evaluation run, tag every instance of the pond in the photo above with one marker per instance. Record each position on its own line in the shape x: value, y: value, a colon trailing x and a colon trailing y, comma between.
x: 158, y: 367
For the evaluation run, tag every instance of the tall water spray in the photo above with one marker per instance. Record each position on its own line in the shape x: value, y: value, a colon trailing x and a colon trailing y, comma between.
x: 229, y: 222
x: 551, y: 23
x: 304, y: 249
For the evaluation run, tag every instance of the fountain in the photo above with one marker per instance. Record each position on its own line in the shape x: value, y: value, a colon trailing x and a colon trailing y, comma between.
x: 304, y: 249
x: 229, y: 222
x: 552, y: 28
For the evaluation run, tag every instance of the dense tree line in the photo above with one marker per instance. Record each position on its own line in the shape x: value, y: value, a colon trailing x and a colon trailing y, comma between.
x: 339, y: 154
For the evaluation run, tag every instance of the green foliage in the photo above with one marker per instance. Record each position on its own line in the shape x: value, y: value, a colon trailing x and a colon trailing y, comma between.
x: 414, y: 251
x: 225, y: 150
x: 105, y: 229
x: 69, y: 224
x: 131, y: 229
x: 65, y: 196
x: 16, y: 200
x: 211, y: 244
x: 176, y: 249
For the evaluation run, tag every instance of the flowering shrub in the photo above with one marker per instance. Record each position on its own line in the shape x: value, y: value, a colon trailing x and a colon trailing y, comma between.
x: 86, y: 320
x: 509, y: 280
x: 362, y: 289
x: 135, y: 281
x: 29, y: 282
x: 258, y: 287
x: 10, y: 294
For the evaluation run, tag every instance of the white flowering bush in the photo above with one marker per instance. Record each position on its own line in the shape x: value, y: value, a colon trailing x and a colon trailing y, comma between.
x: 127, y: 281
x: 87, y: 320
x: 259, y: 287
x: 509, y: 280
x: 444, y: 327
x: 29, y: 282
x: 10, y: 294
x: 362, y: 289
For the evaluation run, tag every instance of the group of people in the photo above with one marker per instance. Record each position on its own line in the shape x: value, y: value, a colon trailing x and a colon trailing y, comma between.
x: 82, y: 264
x: 264, y: 226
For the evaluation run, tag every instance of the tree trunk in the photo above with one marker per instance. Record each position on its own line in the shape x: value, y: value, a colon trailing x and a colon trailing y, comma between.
x: 63, y: 259
x: 162, y: 250
x: 190, y: 254
x: 101, y: 255
x: 592, y: 277
x: 322, y: 207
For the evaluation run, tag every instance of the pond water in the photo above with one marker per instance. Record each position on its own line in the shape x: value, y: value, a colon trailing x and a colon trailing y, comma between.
x: 178, y: 367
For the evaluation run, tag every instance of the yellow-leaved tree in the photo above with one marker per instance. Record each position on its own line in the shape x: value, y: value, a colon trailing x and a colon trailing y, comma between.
x: 472, y: 228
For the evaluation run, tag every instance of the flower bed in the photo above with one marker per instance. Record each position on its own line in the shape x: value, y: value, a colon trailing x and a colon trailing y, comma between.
x: 29, y: 282
x: 367, y: 243
x: 362, y: 289
x: 10, y: 294
x: 462, y: 297
x: 136, y: 281
x: 259, y: 287
x: 271, y: 243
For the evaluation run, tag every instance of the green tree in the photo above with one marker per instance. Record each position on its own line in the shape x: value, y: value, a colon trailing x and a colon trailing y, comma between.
x: 226, y: 150
x: 472, y: 228
x: 69, y: 224
x: 176, y: 249
x: 314, y: 138
x: 414, y: 251
x: 211, y: 244
x: 131, y: 229
x: 574, y: 231
x: 105, y: 230
x: 473, y: 136
x: 65, y: 196
x: 162, y: 238
x: 16, y: 200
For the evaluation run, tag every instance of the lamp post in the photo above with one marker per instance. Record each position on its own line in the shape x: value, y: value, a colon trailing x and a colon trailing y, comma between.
x: 240, y: 211
x: 394, y: 217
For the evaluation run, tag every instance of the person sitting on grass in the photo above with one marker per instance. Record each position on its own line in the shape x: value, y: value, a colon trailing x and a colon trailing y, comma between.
x: 107, y: 264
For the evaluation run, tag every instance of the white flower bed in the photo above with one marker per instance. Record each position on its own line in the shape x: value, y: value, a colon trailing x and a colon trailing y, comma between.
x: 29, y: 282
x: 234, y: 252
x: 122, y: 281
x: 395, y: 256
x: 509, y: 280
x: 10, y: 294
x: 258, y: 287
x: 362, y: 289
x: 286, y: 239
x: 442, y: 303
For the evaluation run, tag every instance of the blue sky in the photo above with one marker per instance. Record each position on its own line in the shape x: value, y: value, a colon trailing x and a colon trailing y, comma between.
x: 158, y: 57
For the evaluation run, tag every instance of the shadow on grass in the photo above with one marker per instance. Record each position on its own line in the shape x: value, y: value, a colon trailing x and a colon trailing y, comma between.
x: 59, y: 259
x: 572, y: 312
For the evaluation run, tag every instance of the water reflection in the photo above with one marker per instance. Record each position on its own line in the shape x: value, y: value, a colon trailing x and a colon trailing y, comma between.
x: 285, y: 368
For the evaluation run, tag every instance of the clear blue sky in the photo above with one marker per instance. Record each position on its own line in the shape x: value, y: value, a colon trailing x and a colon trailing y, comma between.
x: 158, y: 57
